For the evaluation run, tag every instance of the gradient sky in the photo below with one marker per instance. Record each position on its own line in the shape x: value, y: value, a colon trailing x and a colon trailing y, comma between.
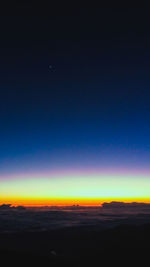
x: 74, y: 98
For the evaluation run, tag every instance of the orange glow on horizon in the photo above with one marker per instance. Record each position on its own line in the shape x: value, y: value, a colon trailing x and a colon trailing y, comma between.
x: 85, y: 190
x: 67, y: 202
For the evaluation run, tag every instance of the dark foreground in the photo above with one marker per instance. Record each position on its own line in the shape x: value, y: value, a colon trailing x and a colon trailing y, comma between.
x: 78, y: 246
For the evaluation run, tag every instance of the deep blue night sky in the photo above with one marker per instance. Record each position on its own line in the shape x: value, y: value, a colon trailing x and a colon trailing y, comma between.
x: 74, y: 88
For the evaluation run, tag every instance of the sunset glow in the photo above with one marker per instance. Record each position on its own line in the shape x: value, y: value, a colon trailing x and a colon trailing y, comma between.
x: 74, y: 189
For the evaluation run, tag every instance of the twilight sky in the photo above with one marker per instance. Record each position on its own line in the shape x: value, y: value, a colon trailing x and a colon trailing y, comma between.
x: 74, y: 103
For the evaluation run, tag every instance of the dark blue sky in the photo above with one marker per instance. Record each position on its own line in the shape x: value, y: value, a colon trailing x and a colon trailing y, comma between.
x: 91, y: 107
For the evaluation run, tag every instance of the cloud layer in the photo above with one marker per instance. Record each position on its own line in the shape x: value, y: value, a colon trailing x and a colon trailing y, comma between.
x: 16, y: 219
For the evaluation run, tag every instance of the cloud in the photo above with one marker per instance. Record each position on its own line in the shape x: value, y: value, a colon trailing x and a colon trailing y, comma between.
x: 10, y: 207
x: 18, y: 219
x: 5, y: 206
x: 133, y: 207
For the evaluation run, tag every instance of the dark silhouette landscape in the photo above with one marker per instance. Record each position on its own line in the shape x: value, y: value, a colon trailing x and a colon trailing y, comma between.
x: 114, y: 233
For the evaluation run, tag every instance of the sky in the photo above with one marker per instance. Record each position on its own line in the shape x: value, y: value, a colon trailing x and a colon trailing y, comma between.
x: 74, y: 104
